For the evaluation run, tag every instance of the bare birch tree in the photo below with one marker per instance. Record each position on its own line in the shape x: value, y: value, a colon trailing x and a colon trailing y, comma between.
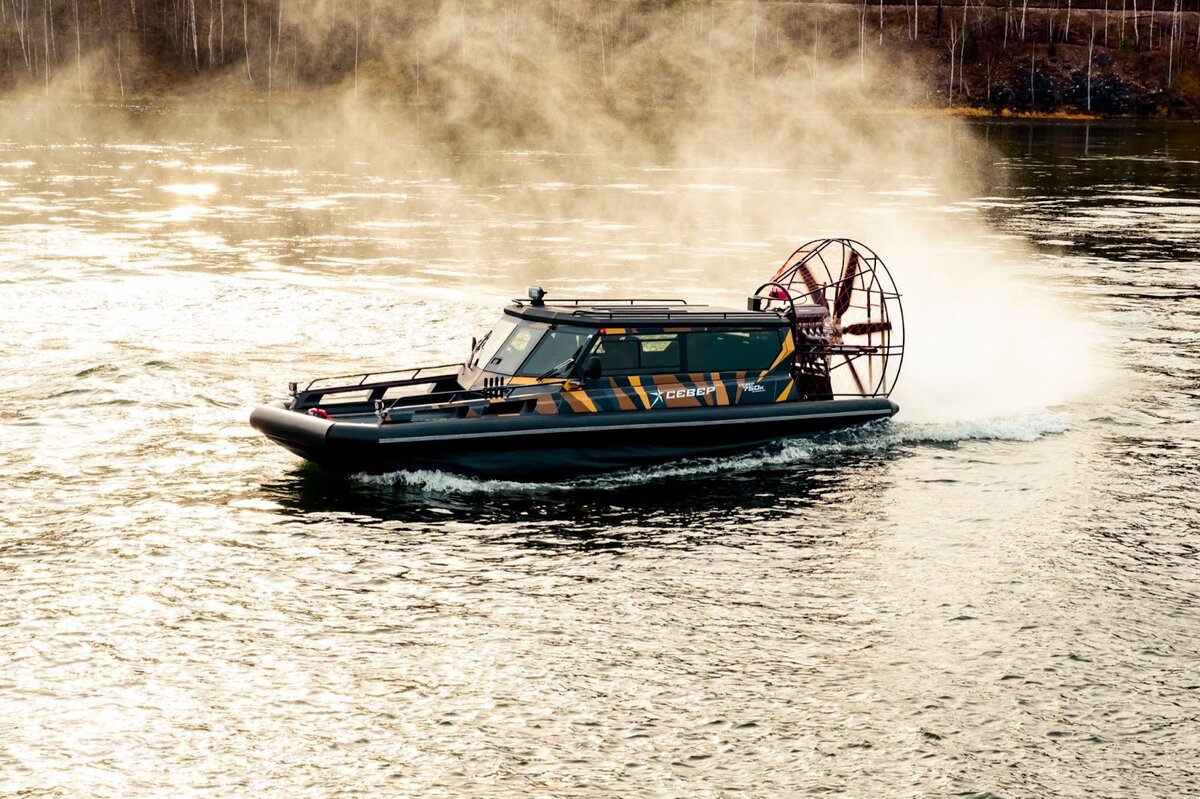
x: 1171, y: 47
x: 78, y: 49
x: 1150, y: 37
x: 195, y: 39
x: 962, y: 52
x: 246, y: 40
x: 953, y: 45
x: 1091, y: 43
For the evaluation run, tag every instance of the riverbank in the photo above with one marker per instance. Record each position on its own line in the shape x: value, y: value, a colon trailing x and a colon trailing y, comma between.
x: 1089, y: 62
x: 493, y: 64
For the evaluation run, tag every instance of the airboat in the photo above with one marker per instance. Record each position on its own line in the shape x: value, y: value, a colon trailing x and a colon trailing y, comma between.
x: 563, y: 387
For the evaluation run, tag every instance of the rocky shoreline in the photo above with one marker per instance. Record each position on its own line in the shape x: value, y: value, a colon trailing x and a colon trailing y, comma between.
x: 1096, y: 67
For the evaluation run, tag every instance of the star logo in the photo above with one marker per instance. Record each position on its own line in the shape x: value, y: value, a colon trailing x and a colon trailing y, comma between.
x: 658, y: 397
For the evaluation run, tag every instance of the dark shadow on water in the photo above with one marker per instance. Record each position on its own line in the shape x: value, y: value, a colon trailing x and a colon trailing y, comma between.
x: 610, y: 510
x: 1054, y: 173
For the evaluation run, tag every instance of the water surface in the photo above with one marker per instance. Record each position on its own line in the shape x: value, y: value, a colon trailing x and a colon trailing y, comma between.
x: 995, y: 603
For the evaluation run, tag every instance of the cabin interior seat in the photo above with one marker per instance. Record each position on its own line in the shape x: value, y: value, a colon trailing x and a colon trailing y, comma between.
x: 701, y: 353
x: 666, y: 359
x: 619, y: 355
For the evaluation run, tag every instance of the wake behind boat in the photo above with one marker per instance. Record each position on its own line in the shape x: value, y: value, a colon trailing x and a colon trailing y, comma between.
x: 567, y: 387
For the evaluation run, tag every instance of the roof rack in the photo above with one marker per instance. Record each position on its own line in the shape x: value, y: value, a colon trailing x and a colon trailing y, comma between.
x: 638, y: 312
x: 663, y: 312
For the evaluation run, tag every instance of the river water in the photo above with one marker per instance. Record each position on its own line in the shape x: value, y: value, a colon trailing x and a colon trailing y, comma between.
x: 996, y: 594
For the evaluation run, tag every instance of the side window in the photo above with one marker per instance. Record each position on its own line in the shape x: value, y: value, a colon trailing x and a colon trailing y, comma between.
x: 733, y: 350
x: 639, y: 353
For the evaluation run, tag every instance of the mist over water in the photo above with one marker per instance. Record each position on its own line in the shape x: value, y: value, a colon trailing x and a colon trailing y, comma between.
x: 774, y: 122
x: 993, y: 593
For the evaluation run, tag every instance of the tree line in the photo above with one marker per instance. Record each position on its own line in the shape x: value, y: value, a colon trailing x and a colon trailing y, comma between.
x: 147, y: 47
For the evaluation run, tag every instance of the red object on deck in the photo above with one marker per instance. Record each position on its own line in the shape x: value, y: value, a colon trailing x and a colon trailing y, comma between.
x: 317, y: 412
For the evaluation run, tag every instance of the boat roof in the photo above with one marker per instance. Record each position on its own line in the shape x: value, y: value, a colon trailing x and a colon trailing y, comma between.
x: 639, y: 313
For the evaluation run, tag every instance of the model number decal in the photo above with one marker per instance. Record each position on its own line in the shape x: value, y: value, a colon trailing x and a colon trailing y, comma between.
x: 753, y: 387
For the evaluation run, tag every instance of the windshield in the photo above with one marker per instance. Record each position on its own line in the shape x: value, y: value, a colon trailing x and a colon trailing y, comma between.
x: 558, y: 346
x: 491, y: 343
x: 515, y: 350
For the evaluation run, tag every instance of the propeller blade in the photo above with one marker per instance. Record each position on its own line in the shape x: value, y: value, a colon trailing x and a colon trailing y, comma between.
x: 814, y: 288
x: 866, y: 328
x: 787, y: 264
x: 846, y: 286
x: 854, y: 373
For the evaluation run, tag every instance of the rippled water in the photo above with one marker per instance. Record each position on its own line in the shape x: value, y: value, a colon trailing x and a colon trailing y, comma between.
x: 966, y: 601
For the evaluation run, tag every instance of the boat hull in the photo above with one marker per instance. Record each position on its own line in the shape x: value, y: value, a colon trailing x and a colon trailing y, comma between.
x: 550, y: 447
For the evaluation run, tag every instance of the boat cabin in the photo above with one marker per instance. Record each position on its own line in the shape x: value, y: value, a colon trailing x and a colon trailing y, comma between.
x: 636, y: 354
x: 589, y: 356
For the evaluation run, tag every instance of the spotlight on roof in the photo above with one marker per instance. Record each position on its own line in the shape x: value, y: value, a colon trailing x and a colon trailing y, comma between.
x: 536, y: 293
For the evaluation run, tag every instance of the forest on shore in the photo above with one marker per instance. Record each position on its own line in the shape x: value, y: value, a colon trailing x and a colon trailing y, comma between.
x: 483, y: 60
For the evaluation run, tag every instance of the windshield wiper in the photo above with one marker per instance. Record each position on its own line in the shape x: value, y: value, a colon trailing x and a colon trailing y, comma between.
x: 478, y: 347
x: 567, y: 364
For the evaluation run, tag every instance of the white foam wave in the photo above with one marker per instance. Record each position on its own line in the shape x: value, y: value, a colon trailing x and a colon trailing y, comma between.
x: 1023, y: 427
x: 871, y: 438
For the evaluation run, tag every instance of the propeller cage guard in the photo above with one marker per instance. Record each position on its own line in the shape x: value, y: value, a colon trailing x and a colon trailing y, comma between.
x: 847, y: 319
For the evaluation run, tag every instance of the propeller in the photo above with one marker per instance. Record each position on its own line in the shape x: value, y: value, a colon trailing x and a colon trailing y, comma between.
x: 850, y: 307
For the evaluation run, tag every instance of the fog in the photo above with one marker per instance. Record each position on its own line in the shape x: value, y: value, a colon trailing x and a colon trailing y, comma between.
x: 799, y: 123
